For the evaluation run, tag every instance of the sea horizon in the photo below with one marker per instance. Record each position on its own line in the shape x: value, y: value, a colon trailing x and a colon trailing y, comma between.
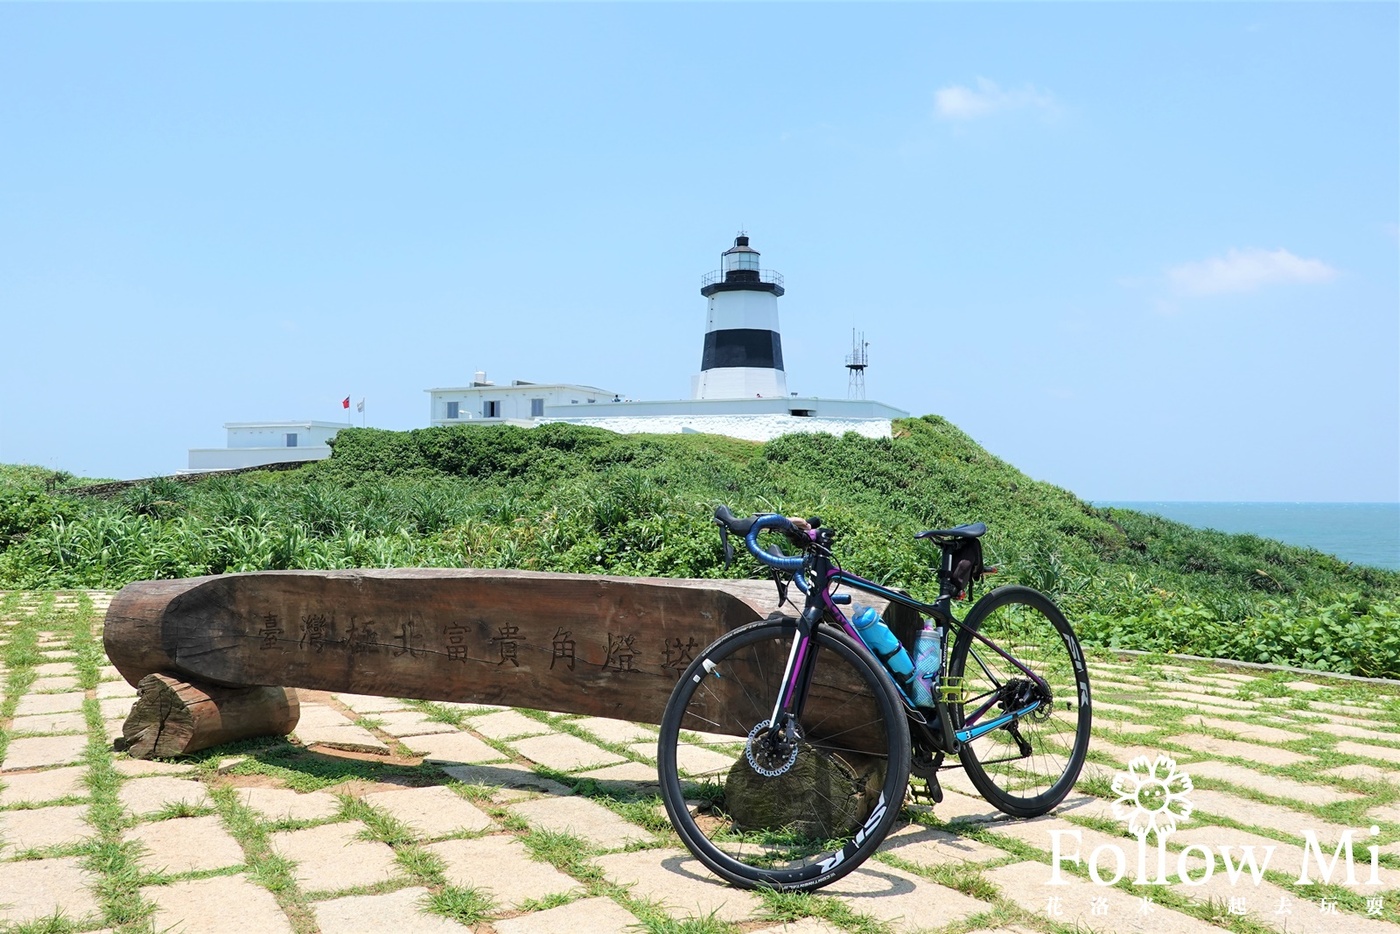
x: 1359, y: 532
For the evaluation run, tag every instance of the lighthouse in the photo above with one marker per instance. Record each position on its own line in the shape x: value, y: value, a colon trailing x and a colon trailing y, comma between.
x: 743, y: 356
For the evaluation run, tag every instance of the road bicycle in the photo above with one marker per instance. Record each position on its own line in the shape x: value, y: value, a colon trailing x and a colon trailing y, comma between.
x: 787, y: 746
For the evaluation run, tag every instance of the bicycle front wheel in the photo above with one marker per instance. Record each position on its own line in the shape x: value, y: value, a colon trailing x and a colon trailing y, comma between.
x: 1027, y: 765
x: 791, y: 809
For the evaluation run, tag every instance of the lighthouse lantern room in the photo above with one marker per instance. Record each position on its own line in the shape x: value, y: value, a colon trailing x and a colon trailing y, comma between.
x: 743, y: 356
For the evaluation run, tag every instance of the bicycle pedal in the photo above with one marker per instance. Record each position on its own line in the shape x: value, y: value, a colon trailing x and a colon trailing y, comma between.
x: 930, y: 794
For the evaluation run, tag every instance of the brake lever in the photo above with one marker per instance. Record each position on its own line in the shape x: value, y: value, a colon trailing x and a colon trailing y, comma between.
x: 724, y: 540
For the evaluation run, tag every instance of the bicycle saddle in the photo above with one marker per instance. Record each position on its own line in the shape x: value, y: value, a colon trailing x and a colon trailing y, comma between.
x: 974, y: 530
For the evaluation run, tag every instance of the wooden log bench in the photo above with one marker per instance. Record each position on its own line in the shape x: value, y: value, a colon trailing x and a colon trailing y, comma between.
x: 219, y: 658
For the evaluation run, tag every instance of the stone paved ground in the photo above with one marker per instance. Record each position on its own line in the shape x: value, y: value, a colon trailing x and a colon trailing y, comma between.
x: 395, y: 815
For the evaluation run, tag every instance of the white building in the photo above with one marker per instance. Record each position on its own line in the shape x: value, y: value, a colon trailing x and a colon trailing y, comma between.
x: 253, y: 444
x: 741, y: 390
x: 520, y: 403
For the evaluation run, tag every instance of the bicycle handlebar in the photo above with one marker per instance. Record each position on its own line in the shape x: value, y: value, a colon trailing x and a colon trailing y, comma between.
x: 750, y: 527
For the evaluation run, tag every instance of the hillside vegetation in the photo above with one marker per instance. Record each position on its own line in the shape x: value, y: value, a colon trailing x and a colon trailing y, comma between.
x: 567, y: 498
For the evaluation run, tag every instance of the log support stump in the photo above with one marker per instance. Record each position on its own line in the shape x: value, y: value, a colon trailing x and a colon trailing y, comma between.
x: 172, y: 717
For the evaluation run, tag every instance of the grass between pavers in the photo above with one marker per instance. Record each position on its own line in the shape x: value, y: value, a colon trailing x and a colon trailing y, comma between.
x: 640, y: 809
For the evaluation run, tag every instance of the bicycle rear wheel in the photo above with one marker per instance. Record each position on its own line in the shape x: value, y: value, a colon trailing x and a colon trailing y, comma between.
x: 1028, y: 765
x: 787, y: 812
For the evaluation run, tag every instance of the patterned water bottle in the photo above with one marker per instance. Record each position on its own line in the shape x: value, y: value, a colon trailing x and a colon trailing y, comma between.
x: 878, y: 638
x: 928, y: 653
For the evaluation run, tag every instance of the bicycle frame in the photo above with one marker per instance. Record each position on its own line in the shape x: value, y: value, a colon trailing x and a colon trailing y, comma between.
x: 820, y: 605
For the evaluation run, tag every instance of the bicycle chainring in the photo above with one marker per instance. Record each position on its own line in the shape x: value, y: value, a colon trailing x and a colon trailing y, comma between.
x: 769, y: 753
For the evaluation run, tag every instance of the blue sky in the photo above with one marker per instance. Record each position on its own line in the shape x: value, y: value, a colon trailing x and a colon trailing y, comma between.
x: 1144, y: 252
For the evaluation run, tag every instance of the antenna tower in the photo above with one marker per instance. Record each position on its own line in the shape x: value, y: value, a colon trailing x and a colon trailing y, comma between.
x: 856, y: 361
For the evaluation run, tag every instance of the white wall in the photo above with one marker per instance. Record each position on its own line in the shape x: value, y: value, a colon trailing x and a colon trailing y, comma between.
x: 514, y: 401
x: 230, y: 458
x: 744, y: 309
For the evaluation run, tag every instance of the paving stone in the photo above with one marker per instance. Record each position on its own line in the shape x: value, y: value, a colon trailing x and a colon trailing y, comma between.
x: 960, y: 807
x: 1305, y: 686
x: 1270, y: 784
x: 149, y: 795
x: 1197, y: 705
x: 1116, y: 708
x: 140, y: 768
x: 369, y: 703
x: 1086, y: 806
x: 696, y: 760
x: 322, y: 716
x: 1273, y: 816
x: 71, y: 722
x: 588, y: 916
x: 619, y: 732
x: 680, y: 884
x: 1351, y: 710
x: 507, y: 775
x: 1365, y: 772
x: 60, y: 825
x: 929, y: 847
x: 583, y: 818
x: 565, y: 753
x: 1108, y: 726
x: 902, y: 900
x: 1265, y: 755
x: 34, y: 752
x: 630, y: 773
x: 49, y: 703
x: 115, y: 689
x: 1385, y: 814
x: 37, y: 787
x: 1123, y: 754
x: 349, y: 737
x: 221, y: 905
x: 435, y: 811
x: 286, y: 804
x: 400, y: 912
x: 330, y: 857
x: 453, y: 747
x: 1221, y: 700
x: 185, y: 844
x: 402, y: 723
x: 1343, y: 729
x: 31, y: 890
x: 818, y: 926
x: 1255, y: 731
x: 114, y: 708
x: 501, y: 865
x: 55, y: 669
x: 509, y: 723
x: 1081, y: 904
x: 1386, y: 753
x: 54, y: 683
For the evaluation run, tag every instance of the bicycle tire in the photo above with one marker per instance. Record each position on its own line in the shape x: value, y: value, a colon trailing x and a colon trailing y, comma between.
x: 1029, y: 626
x: 853, y: 737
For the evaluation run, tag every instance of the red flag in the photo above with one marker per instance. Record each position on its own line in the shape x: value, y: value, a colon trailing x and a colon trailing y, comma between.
x: 345, y: 404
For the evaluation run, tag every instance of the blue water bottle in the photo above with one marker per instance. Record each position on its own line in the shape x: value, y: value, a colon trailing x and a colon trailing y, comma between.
x: 928, y: 653
x: 878, y: 638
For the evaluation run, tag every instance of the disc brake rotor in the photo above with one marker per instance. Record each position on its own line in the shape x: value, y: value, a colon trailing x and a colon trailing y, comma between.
x: 771, y: 754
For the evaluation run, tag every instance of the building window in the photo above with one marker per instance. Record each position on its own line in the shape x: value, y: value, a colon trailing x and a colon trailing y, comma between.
x: 454, y: 410
x: 291, y: 439
x: 491, y: 408
x: 536, y: 408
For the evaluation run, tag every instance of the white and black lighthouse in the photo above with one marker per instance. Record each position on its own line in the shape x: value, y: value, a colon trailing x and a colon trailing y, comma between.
x: 743, y: 356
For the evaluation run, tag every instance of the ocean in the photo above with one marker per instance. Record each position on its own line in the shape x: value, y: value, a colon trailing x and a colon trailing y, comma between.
x: 1362, y: 533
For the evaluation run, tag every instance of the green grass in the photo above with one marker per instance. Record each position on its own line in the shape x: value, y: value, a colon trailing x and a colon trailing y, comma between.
x: 572, y: 499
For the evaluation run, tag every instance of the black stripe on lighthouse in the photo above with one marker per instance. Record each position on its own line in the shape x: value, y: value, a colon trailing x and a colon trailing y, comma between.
x: 743, y: 347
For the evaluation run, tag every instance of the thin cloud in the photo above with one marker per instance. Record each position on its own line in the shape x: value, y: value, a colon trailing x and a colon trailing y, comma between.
x: 1246, y: 271
x: 959, y: 102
